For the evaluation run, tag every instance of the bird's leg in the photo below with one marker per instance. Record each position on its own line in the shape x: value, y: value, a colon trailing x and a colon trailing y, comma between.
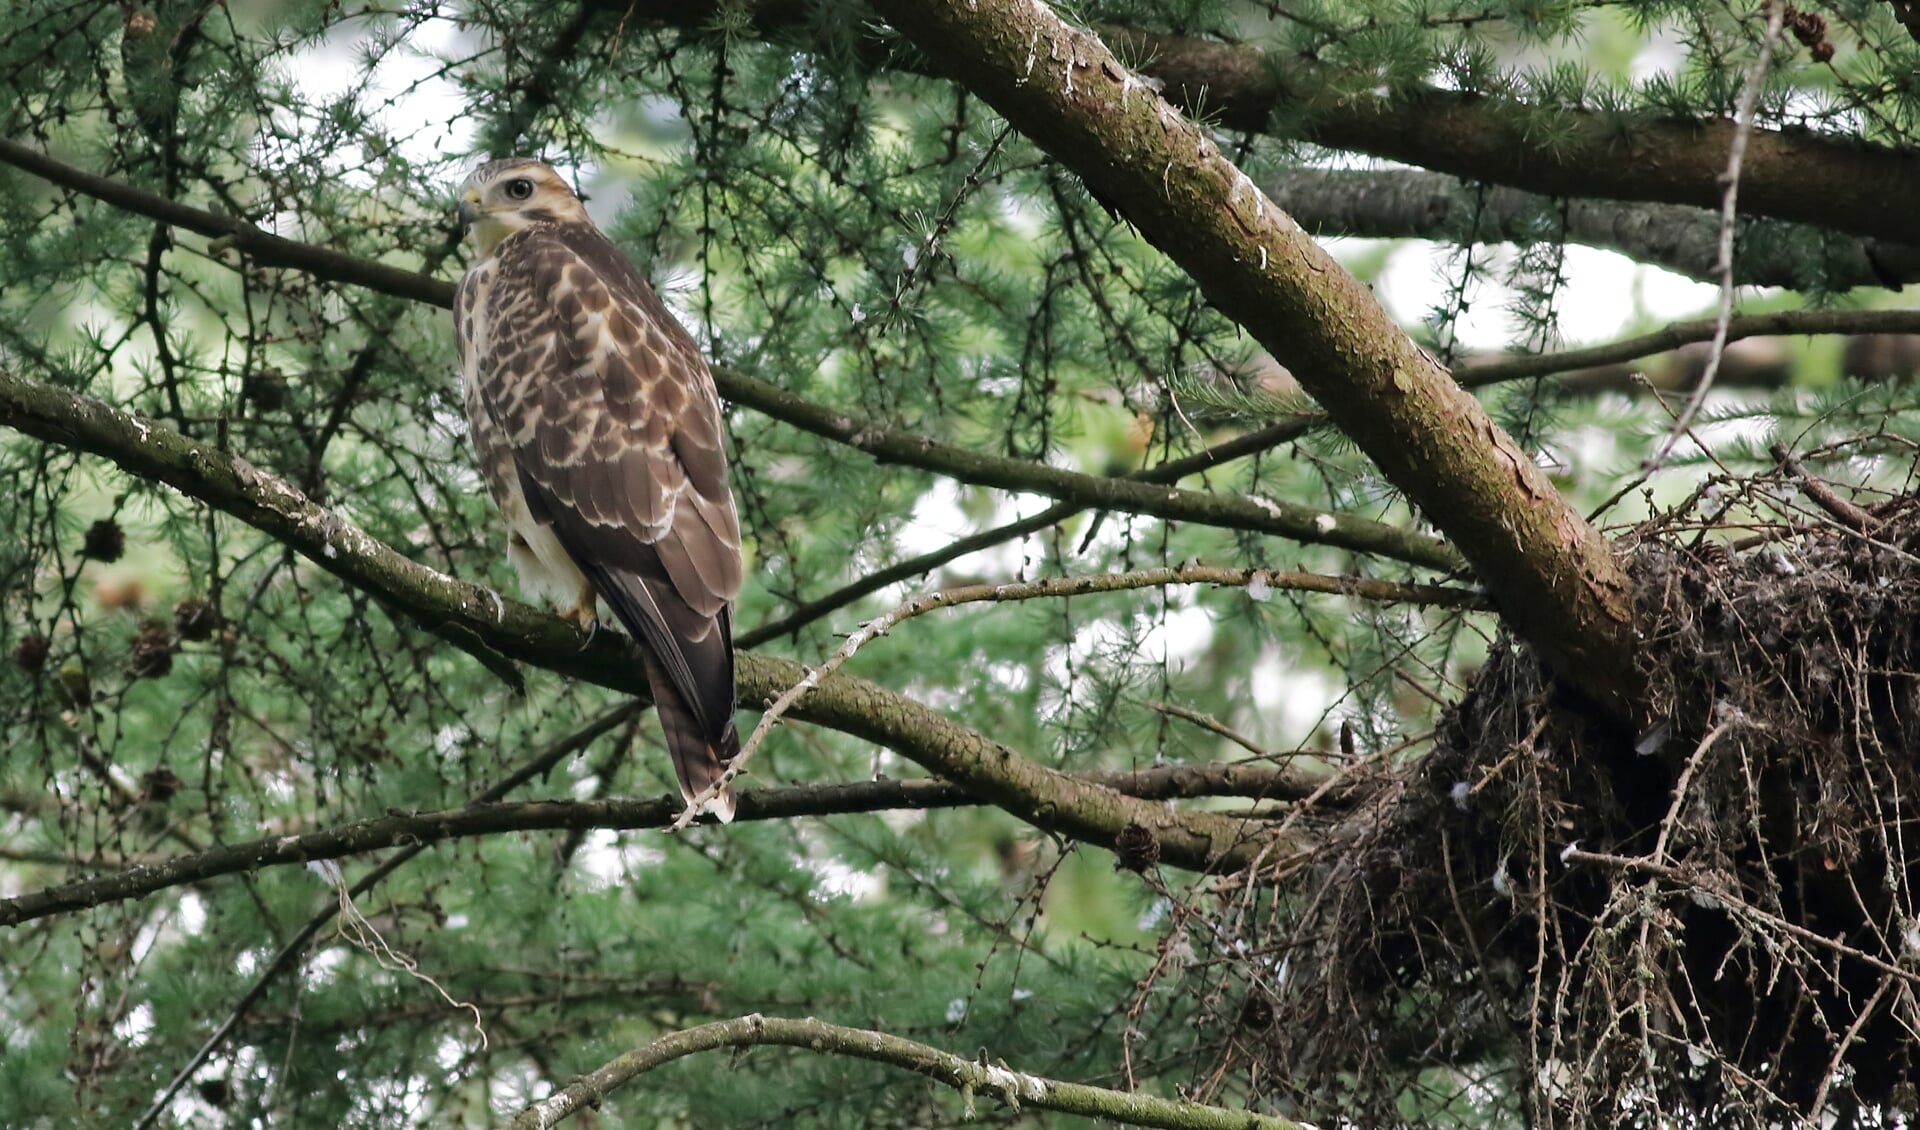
x: 585, y: 615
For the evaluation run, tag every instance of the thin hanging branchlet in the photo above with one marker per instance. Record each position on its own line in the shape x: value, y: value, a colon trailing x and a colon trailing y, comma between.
x: 1751, y: 92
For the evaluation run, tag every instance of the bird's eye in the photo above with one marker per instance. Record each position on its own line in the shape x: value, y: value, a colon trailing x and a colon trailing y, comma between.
x: 519, y: 188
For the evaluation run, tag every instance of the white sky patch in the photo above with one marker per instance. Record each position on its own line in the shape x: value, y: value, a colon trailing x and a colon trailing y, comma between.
x: 322, y: 966
x: 1287, y: 703
x: 1184, y: 635
x: 134, y: 1028
x: 1012, y: 677
x: 1603, y: 294
x: 937, y: 520
x: 835, y: 879
x: 604, y: 860
x: 421, y: 110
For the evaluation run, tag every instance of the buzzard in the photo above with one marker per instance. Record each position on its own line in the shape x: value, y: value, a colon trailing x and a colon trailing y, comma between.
x: 597, y: 429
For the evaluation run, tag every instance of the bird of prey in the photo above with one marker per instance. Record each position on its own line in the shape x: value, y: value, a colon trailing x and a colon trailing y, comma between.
x: 597, y: 429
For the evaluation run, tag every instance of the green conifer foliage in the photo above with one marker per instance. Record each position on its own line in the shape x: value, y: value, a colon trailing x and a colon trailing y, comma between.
x: 226, y: 251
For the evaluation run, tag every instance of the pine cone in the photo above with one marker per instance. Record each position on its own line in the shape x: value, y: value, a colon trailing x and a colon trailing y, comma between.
x: 195, y: 619
x: 105, y: 541
x: 31, y: 652
x: 1135, y: 848
x: 159, y: 786
x: 1256, y: 1012
x: 152, y: 651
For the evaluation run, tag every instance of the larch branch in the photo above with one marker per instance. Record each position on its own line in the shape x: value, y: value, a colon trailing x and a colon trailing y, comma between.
x: 263, y: 247
x: 1783, y: 323
x: 971, y: 1078
x: 1830, y: 183
x: 1551, y: 574
x: 1260, y: 515
x: 473, y: 617
x: 1412, y: 204
x: 1301, y: 523
x: 422, y: 829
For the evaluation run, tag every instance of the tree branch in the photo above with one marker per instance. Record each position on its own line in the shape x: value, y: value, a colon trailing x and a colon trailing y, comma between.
x: 1408, y: 204
x: 1830, y: 183
x: 477, y: 619
x: 1837, y: 184
x: 422, y: 829
x: 1480, y: 373
x: 1550, y: 572
x: 1301, y: 523
x: 263, y: 247
x: 1260, y: 515
x: 1057, y: 587
x: 1014, y: 1088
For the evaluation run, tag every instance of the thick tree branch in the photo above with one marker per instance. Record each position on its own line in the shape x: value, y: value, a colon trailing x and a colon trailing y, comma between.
x: 1831, y: 183
x: 970, y: 1078
x: 1408, y: 204
x: 1550, y: 573
x: 477, y: 619
x: 418, y: 830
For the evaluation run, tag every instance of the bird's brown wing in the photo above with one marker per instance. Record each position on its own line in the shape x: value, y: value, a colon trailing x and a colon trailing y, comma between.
x: 617, y: 441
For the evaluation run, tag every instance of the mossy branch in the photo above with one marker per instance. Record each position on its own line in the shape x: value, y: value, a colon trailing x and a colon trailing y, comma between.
x: 479, y: 621
x: 972, y: 1079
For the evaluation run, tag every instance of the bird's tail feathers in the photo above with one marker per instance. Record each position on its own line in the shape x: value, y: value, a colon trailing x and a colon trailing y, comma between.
x: 698, y: 761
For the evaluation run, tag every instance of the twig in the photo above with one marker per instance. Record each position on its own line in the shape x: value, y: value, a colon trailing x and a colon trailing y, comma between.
x: 1823, y: 495
x: 1756, y: 83
x: 1014, y: 1088
x: 1680, y: 787
x: 1210, y: 724
x: 354, y: 929
x: 1363, y: 587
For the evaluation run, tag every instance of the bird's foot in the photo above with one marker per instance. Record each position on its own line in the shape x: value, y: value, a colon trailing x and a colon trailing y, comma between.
x: 587, y: 619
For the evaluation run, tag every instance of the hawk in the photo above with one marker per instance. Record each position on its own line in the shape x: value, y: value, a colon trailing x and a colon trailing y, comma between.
x: 597, y: 428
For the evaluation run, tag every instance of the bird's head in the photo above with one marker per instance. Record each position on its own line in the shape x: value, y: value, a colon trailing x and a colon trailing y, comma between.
x: 502, y: 197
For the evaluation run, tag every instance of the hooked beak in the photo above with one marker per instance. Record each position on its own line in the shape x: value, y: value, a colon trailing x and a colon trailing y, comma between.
x: 469, y: 212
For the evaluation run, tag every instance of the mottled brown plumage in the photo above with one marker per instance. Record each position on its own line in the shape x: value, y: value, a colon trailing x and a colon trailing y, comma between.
x: 597, y: 428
